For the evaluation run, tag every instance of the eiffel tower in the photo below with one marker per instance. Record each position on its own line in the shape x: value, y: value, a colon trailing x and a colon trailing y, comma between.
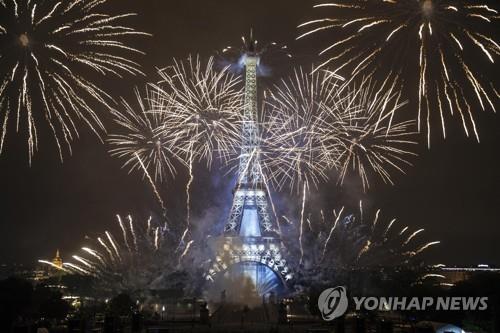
x: 250, y: 246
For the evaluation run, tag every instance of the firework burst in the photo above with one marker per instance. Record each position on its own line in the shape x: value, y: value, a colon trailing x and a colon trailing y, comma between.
x: 296, y: 150
x: 143, y: 143
x: 374, y: 141
x: 137, y: 259
x: 50, y: 53
x: 346, y: 241
x: 204, y: 108
x: 318, y: 123
x: 144, y: 138
x: 439, y: 43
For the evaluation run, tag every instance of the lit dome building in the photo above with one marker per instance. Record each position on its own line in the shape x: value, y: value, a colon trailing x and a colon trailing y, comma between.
x: 57, y: 261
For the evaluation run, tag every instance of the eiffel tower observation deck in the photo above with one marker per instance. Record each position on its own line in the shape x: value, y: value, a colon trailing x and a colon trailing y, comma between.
x: 250, y: 250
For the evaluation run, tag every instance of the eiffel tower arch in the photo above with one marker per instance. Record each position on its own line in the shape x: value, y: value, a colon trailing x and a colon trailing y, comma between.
x: 250, y: 249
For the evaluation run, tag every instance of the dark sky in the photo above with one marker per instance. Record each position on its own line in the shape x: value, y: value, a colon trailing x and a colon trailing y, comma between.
x: 453, y: 191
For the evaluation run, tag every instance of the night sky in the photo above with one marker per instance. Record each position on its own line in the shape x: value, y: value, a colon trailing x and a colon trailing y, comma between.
x: 453, y: 191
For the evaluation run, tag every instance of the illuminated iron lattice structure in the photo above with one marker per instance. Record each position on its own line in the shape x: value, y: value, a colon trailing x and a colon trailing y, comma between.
x: 251, y: 246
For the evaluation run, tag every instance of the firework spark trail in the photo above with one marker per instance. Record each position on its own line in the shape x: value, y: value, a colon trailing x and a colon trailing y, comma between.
x: 124, y: 231
x: 181, y: 241
x: 441, y: 44
x: 186, y: 250
x: 153, y: 186
x: 287, y: 220
x: 431, y: 275
x: 132, y: 231
x: 426, y: 246
x: 86, y: 263
x: 77, y: 268
x: 361, y: 210
x: 188, y: 198
x: 148, y: 228
x: 375, y: 220
x: 49, y: 55
x: 94, y: 254
x: 309, y: 224
x: 113, y: 244
x: 364, y: 249
x: 103, y: 244
x: 302, y: 224
x: 156, y: 239
x: 331, y: 233
x: 412, y: 235
x: 46, y: 262
x: 389, y: 227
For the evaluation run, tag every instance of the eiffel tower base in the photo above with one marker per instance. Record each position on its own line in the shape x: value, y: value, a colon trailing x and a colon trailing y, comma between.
x: 247, y: 269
